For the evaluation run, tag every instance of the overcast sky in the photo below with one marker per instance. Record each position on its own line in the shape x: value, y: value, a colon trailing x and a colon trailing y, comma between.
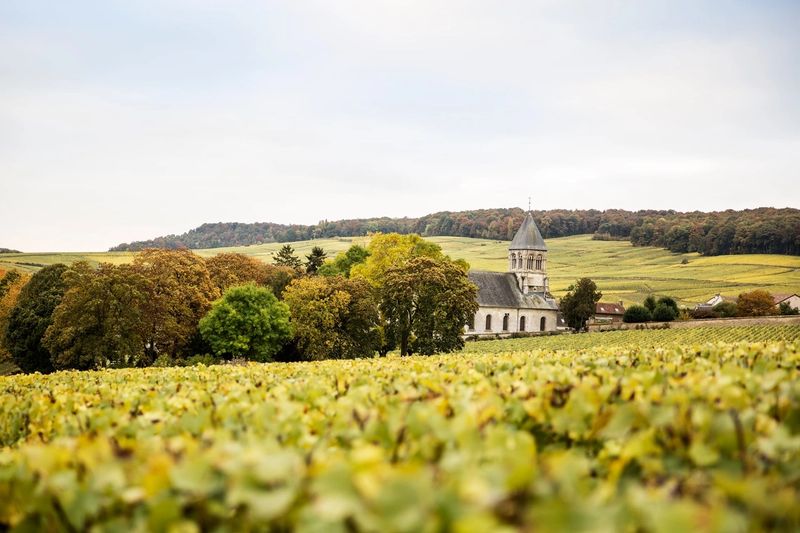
x: 126, y: 120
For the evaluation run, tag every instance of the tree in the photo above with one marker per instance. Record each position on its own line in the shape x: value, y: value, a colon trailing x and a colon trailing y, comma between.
x: 179, y: 292
x: 637, y: 313
x: 650, y: 303
x: 229, y: 269
x: 99, y: 320
x: 756, y: 303
x: 390, y: 250
x: 785, y: 308
x: 31, y: 317
x: 726, y: 309
x: 315, y: 259
x: 664, y: 313
x: 344, y: 262
x: 10, y: 288
x: 333, y: 317
x: 248, y: 321
x: 670, y: 302
x: 425, y: 304
x: 578, y: 304
x: 285, y: 257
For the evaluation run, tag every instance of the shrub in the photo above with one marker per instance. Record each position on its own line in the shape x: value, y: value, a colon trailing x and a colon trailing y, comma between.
x: 248, y: 321
x: 664, y: 313
x: 726, y: 309
x: 785, y: 308
x: 636, y: 313
x: 650, y: 303
x: 669, y: 302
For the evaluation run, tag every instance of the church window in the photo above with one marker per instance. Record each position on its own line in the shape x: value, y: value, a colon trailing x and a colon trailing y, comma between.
x: 538, y: 262
x: 542, y: 324
x: 522, y: 323
x: 530, y: 262
x: 505, y: 322
x: 514, y: 261
x: 488, y: 322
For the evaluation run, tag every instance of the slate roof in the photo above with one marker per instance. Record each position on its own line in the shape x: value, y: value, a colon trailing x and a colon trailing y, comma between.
x: 500, y: 289
x: 605, y: 308
x: 528, y: 236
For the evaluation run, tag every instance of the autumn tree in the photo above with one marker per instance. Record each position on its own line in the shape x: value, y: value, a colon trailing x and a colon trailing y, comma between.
x: 578, y: 304
x: 756, y: 303
x: 315, y: 259
x: 333, y: 317
x: 287, y: 258
x: 425, y: 303
x: 229, y: 269
x: 10, y: 288
x: 344, y: 262
x: 31, y: 317
x: 390, y: 250
x: 99, y: 320
x: 248, y: 321
x: 178, y: 293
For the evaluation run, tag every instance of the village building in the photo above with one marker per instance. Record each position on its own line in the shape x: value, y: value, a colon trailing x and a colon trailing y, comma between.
x: 792, y: 299
x: 607, y: 313
x: 517, y: 300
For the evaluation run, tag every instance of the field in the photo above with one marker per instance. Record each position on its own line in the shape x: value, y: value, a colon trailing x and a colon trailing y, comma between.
x: 622, y: 271
x: 661, y: 434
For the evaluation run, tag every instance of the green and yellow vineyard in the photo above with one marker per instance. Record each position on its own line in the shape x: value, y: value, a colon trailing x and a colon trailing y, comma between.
x: 672, y: 438
x: 641, y: 338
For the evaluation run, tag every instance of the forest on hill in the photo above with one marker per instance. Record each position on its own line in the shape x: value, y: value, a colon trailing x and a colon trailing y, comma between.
x: 762, y: 230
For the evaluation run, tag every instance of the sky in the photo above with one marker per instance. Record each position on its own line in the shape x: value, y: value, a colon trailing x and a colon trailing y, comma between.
x: 123, y: 121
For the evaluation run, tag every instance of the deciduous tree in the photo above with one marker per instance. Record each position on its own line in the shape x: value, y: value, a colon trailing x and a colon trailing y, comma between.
x: 99, y: 320
x: 578, y: 304
x: 10, y: 288
x: 31, y: 317
x: 248, y: 321
x: 637, y: 313
x: 756, y: 303
x: 425, y: 304
x: 179, y: 292
x: 333, y: 317
x: 344, y: 262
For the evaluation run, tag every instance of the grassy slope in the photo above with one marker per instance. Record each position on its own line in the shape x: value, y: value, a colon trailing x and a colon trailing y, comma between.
x: 622, y: 271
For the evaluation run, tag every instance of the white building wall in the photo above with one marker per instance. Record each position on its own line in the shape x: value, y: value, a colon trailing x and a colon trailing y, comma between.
x: 533, y: 319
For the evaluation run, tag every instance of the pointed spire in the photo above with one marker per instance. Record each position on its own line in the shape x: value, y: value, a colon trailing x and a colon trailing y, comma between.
x: 528, y: 236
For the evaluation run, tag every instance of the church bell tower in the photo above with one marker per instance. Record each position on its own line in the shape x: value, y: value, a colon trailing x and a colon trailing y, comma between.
x: 527, y: 256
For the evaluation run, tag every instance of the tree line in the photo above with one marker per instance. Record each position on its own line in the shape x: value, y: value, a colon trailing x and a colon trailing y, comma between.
x: 173, y: 307
x: 762, y: 230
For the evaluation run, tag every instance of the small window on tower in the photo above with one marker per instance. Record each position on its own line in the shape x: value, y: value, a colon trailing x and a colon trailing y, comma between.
x: 538, y: 262
x: 514, y: 261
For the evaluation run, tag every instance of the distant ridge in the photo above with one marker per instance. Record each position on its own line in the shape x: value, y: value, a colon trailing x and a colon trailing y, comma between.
x: 762, y: 230
x: 9, y: 251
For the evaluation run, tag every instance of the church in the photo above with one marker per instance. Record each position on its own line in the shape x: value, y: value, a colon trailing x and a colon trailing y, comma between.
x: 517, y: 300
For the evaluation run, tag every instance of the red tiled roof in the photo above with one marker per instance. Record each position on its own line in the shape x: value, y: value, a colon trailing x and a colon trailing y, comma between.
x: 606, y: 308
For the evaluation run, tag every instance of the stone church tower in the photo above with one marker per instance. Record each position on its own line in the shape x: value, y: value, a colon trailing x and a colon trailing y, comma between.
x: 527, y: 256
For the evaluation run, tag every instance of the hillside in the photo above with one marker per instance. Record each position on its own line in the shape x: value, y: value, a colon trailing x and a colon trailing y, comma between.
x: 762, y: 230
x: 622, y: 271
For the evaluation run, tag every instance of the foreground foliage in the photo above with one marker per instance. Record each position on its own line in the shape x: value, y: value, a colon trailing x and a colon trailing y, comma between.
x: 661, y: 439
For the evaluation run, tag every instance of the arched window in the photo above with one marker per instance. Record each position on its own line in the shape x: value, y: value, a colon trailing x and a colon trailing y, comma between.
x: 538, y: 262
x: 530, y: 262
x: 505, y: 322
x: 488, y: 322
x: 522, y: 323
x: 514, y: 261
x: 542, y: 324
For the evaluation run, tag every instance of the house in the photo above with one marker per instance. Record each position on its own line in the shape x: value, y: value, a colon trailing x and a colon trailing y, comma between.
x: 792, y: 299
x: 709, y: 304
x: 517, y: 300
x: 605, y: 312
